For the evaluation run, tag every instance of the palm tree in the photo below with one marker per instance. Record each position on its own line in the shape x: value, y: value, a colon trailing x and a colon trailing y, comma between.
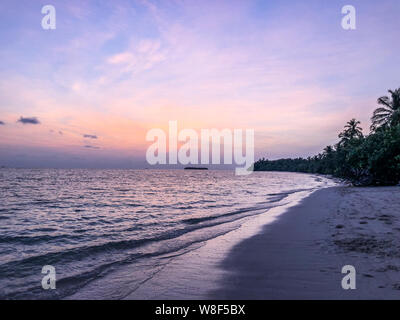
x: 351, y: 131
x: 328, y: 150
x: 389, y: 114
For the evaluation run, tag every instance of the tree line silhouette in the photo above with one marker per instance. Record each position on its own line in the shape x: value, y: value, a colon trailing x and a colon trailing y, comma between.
x: 372, y: 159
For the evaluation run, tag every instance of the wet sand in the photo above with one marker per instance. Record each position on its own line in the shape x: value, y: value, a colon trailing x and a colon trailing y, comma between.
x: 295, y: 253
x: 301, y: 255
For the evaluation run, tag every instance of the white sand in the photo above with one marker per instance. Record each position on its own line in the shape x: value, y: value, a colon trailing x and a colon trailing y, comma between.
x: 297, y: 256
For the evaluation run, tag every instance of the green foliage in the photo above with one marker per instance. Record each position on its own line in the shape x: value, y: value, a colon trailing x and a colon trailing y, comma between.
x: 388, y: 115
x: 370, y: 160
x: 351, y: 131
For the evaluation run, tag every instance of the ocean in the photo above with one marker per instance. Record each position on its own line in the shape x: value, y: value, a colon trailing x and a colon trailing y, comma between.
x: 91, y: 224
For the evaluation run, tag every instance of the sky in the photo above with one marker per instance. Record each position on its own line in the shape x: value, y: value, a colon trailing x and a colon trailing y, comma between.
x: 86, y: 93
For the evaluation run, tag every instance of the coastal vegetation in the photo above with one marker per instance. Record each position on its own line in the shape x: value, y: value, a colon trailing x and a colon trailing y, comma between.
x: 372, y: 159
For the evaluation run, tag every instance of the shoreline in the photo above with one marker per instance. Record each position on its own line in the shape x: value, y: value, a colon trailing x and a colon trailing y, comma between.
x: 301, y: 255
x: 183, y: 277
x: 295, y: 251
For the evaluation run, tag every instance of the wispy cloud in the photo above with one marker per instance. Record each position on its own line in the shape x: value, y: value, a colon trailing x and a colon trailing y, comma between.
x: 138, y: 58
x: 90, y: 147
x: 90, y: 136
x: 118, y: 69
x: 28, y: 120
x: 2, y: 123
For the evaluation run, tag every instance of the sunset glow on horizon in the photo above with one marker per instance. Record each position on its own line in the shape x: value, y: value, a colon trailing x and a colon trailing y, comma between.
x: 113, y: 70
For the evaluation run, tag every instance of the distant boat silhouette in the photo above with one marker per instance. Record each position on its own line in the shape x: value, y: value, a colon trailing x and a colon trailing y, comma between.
x: 196, y: 168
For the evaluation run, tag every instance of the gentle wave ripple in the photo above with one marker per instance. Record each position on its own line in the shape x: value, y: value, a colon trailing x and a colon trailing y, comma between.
x: 87, y: 223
